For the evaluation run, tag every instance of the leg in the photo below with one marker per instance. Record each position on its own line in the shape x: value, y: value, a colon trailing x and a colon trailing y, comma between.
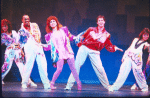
x: 30, y: 58
x: 42, y: 67
x: 123, y: 73
x: 9, y: 57
x: 71, y: 64
x: 20, y: 65
x: 99, y: 69
x: 140, y: 78
x: 60, y: 64
x: 80, y: 59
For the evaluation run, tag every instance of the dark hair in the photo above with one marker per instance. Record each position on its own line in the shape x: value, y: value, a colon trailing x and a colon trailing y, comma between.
x: 7, y: 23
x: 100, y: 16
x: 48, y: 28
x: 145, y: 30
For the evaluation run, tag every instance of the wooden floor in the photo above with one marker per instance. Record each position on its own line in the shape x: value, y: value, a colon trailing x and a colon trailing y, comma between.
x: 13, y: 89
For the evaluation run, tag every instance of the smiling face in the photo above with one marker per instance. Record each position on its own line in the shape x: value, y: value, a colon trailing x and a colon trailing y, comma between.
x: 100, y: 22
x: 53, y: 23
x: 26, y: 20
x: 145, y: 36
x: 5, y: 28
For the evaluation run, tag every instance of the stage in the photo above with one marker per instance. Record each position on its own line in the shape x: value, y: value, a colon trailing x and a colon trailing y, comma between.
x: 13, y: 89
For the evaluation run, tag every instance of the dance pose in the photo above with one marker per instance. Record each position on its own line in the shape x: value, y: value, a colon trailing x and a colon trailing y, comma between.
x: 30, y: 38
x: 93, y: 40
x: 132, y: 59
x: 58, y: 41
x: 13, y: 51
x: 145, y: 71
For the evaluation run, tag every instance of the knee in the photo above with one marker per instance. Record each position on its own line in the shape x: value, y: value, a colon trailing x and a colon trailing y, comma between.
x: 59, y: 70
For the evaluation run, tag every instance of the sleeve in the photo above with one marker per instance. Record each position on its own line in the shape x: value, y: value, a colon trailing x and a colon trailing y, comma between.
x: 68, y: 33
x: 47, y: 39
x: 6, y: 40
x: 77, y: 40
x: 109, y: 46
x: 87, y: 32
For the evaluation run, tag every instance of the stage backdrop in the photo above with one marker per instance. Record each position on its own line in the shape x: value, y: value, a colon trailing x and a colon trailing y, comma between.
x: 124, y: 21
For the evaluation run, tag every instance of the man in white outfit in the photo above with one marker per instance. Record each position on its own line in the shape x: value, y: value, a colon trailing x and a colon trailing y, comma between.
x: 30, y: 37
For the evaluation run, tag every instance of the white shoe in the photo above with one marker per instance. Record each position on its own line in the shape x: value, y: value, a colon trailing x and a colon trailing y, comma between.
x: 24, y: 86
x: 67, y: 88
x: 134, y: 87
x: 32, y: 84
x: 3, y: 82
x: 110, y: 89
x: 144, y: 90
x: 47, y: 86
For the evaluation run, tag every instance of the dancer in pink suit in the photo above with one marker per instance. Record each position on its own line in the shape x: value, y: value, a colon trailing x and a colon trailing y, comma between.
x: 58, y: 41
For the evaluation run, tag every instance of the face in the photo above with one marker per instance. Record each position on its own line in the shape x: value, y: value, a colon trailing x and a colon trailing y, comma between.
x: 100, y: 22
x: 145, y: 36
x: 53, y: 23
x: 5, y: 28
x: 26, y: 21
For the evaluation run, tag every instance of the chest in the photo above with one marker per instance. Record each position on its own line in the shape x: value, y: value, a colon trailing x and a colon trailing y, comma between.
x: 100, y: 37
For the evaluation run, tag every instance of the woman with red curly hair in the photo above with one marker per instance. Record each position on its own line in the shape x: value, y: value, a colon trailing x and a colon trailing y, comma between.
x: 13, y: 50
x: 58, y: 41
x: 132, y: 59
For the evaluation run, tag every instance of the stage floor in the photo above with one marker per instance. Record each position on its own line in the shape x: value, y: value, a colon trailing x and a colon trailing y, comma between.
x: 13, y: 89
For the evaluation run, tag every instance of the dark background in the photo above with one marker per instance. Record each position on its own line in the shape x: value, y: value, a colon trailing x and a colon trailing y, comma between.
x: 124, y: 21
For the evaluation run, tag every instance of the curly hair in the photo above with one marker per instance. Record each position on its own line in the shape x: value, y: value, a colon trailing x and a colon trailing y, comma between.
x: 6, y: 22
x: 48, y: 28
x: 145, y: 30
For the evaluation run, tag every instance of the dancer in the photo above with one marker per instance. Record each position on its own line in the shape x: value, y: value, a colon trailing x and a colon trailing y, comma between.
x: 95, y: 39
x: 30, y: 38
x: 132, y: 59
x: 145, y: 71
x: 13, y: 51
x: 58, y: 41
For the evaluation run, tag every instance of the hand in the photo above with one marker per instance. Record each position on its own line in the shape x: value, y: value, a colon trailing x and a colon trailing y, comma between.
x: 116, y: 48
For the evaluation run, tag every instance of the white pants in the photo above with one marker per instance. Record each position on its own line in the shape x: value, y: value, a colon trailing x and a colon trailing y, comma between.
x: 124, y: 71
x: 33, y: 52
x: 94, y: 56
x: 11, y: 55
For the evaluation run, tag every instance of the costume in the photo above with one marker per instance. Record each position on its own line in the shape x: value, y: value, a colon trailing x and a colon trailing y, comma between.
x: 59, y: 44
x: 132, y: 60
x: 30, y: 40
x: 145, y: 70
x: 11, y: 53
x: 90, y: 46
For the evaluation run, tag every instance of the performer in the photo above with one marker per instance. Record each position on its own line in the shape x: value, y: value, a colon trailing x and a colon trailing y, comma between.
x: 132, y: 59
x: 30, y: 38
x: 93, y: 40
x: 58, y: 41
x: 145, y: 71
x: 13, y: 51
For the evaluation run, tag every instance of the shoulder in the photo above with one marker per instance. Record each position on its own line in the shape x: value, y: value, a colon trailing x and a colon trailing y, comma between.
x: 135, y: 39
x: 34, y: 24
x: 64, y: 28
x: 13, y: 31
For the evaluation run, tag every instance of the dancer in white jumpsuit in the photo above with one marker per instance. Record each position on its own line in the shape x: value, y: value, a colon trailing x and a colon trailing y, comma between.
x: 30, y: 37
x: 95, y: 39
x: 145, y: 71
x: 13, y: 51
x: 132, y: 59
